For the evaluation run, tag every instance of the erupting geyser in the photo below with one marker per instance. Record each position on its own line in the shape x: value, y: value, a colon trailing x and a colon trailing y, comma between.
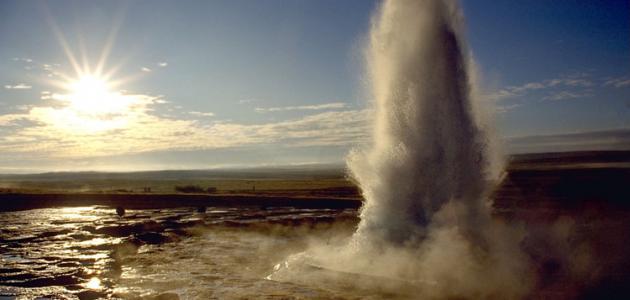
x: 425, y: 223
x: 428, y: 150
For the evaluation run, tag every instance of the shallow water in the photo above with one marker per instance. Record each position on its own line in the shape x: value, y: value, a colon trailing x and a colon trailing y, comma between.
x: 90, y: 252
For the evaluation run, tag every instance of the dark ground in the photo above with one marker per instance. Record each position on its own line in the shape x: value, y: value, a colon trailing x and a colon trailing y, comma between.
x: 576, y: 210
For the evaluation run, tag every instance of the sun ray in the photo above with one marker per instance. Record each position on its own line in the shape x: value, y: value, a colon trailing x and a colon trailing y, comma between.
x: 111, y: 38
x: 89, y: 96
x: 84, y: 55
x: 64, y: 43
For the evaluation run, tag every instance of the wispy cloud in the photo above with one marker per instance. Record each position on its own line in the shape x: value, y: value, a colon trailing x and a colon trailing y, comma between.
x: 162, y: 64
x: 11, y: 119
x: 574, y: 81
x: 50, y: 69
x: 19, y: 86
x: 202, y: 114
x: 614, y: 139
x: 581, y: 82
x: 55, y: 131
x: 23, y: 59
x: 618, y: 82
x: 334, y: 105
x: 45, y: 95
x: 564, y: 95
x: 145, y: 69
x: 505, y: 108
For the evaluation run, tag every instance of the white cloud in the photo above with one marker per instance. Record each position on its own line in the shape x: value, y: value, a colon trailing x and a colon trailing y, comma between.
x: 8, y: 120
x: 499, y: 95
x: 61, y: 132
x: 19, y: 86
x: 202, y: 114
x: 618, y: 82
x: 334, y: 105
x: 569, y: 82
x: 573, y: 81
x: 526, y: 87
x: 45, y: 95
x: 505, y: 108
x: 24, y: 59
x: 162, y: 64
x: 563, y: 95
x: 145, y: 69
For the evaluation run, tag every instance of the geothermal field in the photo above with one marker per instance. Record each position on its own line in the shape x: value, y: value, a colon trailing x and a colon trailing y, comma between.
x: 427, y: 207
x: 567, y: 214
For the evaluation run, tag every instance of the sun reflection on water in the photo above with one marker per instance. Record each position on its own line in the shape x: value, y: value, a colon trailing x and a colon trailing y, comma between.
x: 77, y: 213
x: 94, y: 283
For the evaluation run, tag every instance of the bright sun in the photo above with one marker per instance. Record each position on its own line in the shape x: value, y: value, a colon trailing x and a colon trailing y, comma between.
x: 90, y: 102
x: 90, y: 105
x: 92, y: 95
x: 90, y: 85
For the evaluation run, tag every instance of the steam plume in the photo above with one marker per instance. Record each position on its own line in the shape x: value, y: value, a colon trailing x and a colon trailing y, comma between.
x: 425, y: 177
x: 430, y: 166
x: 427, y: 149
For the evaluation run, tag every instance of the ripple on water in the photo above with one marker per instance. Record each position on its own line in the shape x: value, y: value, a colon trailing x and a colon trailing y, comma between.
x: 90, y: 252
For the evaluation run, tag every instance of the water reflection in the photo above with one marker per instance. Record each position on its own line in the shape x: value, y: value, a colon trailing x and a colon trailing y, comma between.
x: 94, y: 283
x: 91, y: 252
x: 76, y: 214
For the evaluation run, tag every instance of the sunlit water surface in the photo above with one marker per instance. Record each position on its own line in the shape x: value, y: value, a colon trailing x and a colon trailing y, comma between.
x: 90, y: 252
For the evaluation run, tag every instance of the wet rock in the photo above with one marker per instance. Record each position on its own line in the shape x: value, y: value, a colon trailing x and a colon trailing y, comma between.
x: 152, y: 238
x: 139, y: 216
x: 83, y: 236
x: 68, y: 264
x: 9, y: 270
x: 126, y: 248
x: 21, y: 239
x: 17, y: 277
x: 74, y: 287
x: 49, y: 258
x: 152, y: 226
x: 191, y: 223
x: 120, y: 211
x: 120, y: 230
x: 166, y: 296
x: 90, y: 295
x: 179, y: 232
x: 88, y: 228
x: 60, y: 280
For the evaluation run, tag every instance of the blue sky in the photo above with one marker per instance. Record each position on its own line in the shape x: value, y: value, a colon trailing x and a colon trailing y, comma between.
x: 228, y: 83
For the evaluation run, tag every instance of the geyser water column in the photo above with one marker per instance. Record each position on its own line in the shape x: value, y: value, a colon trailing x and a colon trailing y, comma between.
x: 427, y: 152
x: 425, y: 224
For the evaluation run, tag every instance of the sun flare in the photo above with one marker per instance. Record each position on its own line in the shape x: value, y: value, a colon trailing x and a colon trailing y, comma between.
x: 90, y: 86
x: 92, y: 95
x: 90, y: 104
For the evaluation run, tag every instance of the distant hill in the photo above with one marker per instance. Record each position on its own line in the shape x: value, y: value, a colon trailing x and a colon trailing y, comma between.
x: 305, y: 172
x: 324, y: 171
x: 576, y: 157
